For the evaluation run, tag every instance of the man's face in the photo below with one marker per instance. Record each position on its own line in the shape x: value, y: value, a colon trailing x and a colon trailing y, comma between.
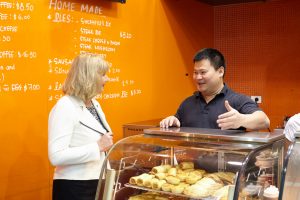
x: 207, y: 79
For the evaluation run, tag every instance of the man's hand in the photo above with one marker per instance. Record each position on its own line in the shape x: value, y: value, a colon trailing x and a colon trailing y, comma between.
x: 231, y: 119
x: 169, y: 121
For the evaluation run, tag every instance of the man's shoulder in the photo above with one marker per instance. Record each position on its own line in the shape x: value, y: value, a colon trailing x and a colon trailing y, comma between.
x: 193, y: 96
x: 237, y: 96
x: 190, y: 99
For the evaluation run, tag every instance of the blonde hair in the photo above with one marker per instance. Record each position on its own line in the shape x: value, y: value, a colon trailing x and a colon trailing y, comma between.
x: 84, y: 77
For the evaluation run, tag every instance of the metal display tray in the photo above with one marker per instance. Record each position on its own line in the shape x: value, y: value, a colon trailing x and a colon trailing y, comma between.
x: 170, y: 193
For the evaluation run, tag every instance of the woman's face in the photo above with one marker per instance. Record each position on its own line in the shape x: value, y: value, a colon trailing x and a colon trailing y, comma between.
x: 103, y: 78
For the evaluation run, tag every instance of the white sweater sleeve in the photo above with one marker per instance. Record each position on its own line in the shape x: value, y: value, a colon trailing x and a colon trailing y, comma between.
x: 291, y: 127
x: 62, y: 121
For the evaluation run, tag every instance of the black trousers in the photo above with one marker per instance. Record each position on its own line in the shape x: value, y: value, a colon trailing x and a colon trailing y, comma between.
x: 74, y: 189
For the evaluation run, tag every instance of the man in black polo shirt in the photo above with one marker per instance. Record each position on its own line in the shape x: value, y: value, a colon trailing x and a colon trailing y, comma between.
x: 215, y: 105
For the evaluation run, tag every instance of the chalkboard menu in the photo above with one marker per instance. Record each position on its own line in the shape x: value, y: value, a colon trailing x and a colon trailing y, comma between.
x: 39, y: 39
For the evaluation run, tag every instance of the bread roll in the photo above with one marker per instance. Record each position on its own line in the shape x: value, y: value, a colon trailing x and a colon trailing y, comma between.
x: 133, y: 180
x: 196, y: 173
x: 158, y: 169
x: 201, y: 171
x: 172, y: 171
x: 188, y: 170
x: 161, y: 169
x: 222, y: 193
x: 167, y: 187
x: 186, y: 165
x: 178, y: 189
x: 196, y: 191
x: 173, y: 180
x: 148, y: 183
x: 179, y: 171
x: 156, y: 185
x: 143, y: 178
x: 214, y: 176
x: 148, y: 196
x: 192, y: 179
x: 203, y: 188
x: 226, y: 176
x: 160, y: 176
x: 182, y: 176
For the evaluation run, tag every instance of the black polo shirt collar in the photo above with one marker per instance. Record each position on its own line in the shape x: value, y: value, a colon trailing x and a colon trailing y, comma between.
x: 223, y: 92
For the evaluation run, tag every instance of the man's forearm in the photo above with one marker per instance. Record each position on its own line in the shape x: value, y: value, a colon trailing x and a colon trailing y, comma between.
x: 255, y: 121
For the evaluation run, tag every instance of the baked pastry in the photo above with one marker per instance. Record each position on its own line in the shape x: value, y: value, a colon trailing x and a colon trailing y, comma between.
x: 167, y: 187
x: 160, y: 175
x: 179, y: 170
x: 210, y: 183
x: 148, y: 196
x: 173, y: 180
x: 196, y: 173
x: 222, y: 193
x: 137, y: 197
x: 201, y: 171
x: 186, y: 165
x: 141, y: 197
x: 182, y: 176
x: 188, y: 170
x: 161, y: 169
x: 142, y: 179
x: 133, y: 180
x: 178, y: 189
x: 157, y: 184
x: 214, y: 177
x: 227, y: 177
x: 203, y: 188
x: 172, y: 171
x: 149, y: 182
x: 196, y: 191
x: 192, y: 179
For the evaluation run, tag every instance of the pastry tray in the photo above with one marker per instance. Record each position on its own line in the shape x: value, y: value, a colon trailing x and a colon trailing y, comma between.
x: 170, y: 193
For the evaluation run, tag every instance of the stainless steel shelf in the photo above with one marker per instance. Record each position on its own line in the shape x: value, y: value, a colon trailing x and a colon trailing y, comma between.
x: 230, y: 135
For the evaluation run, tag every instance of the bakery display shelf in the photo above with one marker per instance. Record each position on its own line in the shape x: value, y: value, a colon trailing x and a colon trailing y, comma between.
x: 169, y: 193
x: 133, y: 157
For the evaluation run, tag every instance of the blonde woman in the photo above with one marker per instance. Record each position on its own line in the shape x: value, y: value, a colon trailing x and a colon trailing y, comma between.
x: 78, y: 131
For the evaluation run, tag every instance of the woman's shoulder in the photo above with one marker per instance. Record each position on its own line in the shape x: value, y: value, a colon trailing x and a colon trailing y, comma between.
x: 69, y: 102
x: 64, y: 100
x: 295, y: 119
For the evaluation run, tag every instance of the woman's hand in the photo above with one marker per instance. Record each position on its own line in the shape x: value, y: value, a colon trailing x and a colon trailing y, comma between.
x: 105, y: 142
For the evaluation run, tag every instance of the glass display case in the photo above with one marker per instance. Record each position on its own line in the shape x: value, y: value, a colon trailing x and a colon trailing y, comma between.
x: 290, y: 186
x: 192, y: 163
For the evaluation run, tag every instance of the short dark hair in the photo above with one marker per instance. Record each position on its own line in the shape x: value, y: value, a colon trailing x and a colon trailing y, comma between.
x: 214, y: 56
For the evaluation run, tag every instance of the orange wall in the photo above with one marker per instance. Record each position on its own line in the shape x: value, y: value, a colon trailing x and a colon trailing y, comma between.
x: 165, y: 36
x: 260, y: 42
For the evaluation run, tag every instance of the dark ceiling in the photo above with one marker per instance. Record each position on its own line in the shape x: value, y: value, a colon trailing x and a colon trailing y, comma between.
x: 225, y: 2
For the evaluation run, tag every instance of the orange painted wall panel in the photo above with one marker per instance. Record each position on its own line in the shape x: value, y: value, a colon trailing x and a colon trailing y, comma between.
x: 260, y: 42
x: 150, y: 60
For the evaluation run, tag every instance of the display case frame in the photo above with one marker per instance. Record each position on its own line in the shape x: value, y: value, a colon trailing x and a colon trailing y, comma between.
x: 248, y: 145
